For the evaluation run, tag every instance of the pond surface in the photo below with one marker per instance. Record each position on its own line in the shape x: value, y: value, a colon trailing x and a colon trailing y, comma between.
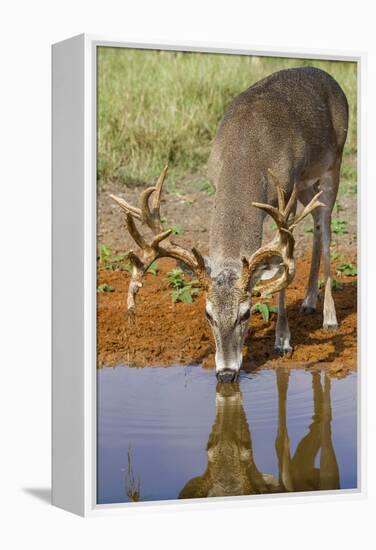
x: 167, y: 433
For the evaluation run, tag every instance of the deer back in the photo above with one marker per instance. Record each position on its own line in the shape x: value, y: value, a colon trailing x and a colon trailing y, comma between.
x: 294, y: 123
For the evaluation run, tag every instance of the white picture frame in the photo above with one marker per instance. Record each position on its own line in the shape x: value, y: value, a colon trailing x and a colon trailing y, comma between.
x: 74, y: 282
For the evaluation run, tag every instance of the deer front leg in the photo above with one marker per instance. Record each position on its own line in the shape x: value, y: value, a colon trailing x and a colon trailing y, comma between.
x: 310, y: 299
x: 282, y: 332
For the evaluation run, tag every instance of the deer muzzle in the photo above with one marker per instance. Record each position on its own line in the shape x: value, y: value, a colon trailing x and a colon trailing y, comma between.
x: 227, y: 365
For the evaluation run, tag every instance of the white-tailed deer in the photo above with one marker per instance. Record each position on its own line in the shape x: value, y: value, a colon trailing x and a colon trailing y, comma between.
x: 279, y: 141
x: 232, y: 470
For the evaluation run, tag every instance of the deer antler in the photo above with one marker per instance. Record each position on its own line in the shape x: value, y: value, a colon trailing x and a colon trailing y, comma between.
x: 151, y: 250
x: 283, y: 243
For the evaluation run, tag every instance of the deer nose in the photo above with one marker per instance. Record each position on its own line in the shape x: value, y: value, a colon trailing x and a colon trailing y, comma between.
x: 227, y: 375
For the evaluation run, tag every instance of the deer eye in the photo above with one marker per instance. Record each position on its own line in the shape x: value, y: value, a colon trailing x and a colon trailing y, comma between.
x: 245, y: 316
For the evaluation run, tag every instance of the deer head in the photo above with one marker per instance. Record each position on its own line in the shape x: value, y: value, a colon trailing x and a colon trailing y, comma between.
x: 228, y: 293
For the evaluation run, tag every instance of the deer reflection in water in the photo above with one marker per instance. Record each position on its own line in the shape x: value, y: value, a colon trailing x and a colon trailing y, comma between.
x: 231, y: 466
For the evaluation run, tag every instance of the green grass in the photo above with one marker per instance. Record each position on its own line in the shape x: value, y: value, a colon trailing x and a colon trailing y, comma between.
x: 156, y: 107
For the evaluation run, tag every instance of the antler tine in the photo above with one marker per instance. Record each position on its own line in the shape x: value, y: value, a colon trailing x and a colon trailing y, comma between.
x: 146, y: 214
x: 151, y: 216
x: 278, y: 188
x: 134, y: 232
x: 314, y: 203
x: 272, y: 211
x: 160, y: 237
x: 291, y: 202
x: 158, y: 190
x: 136, y: 212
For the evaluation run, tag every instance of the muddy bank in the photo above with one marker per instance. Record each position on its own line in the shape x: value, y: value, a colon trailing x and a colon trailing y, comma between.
x: 166, y: 333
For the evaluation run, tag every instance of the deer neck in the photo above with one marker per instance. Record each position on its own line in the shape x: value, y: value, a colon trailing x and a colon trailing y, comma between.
x: 236, y: 226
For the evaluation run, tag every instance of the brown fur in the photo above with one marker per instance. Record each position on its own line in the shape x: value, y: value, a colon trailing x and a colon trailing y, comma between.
x: 293, y: 122
x: 231, y: 468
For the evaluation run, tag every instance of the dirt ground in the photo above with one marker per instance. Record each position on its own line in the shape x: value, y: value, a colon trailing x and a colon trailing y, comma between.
x: 166, y: 333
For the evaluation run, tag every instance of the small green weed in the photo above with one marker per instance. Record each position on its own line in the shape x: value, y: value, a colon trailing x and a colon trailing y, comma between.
x: 118, y: 263
x: 207, y: 187
x: 104, y: 287
x: 264, y: 309
x: 153, y: 268
x: 182, y: 291
x: 339, y: 207
x: 110, y: 262
x: 334, y: 254
x: 339, y: 227
x: 336, y: 285
x: 104, y: 255
x: 349, y: 270
x: 177, y: 229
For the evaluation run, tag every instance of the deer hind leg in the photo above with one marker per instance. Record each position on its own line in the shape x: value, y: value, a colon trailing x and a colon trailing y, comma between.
x: 282, y: 331
x: 329, y: 184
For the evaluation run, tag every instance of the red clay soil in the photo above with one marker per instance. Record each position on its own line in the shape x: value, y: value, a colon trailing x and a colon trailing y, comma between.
x: 165, y: 333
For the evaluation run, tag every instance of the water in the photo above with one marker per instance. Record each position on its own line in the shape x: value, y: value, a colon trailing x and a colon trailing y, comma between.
x: 167, y: 433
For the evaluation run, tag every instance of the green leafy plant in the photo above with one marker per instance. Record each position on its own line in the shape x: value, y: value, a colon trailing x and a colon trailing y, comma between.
x: 107, y: 260
x: 265, y: 309
x: 119, y: 263
x: 336, y: 285
x: 339, y: 227
x: 177, y: 229
x: 348, y: 269
x: 104, y: 287
x: 207, y: 187
x: 182, y: 291
x: 104, y: 255
x: 339, y: 207
x: 334, y: 254
x: 153, y: 268
x: 123, y: 267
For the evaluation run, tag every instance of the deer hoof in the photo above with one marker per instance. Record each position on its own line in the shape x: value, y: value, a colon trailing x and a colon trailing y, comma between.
x: 307, y: 310
x: 330, y: 326
x: 283, y: 350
